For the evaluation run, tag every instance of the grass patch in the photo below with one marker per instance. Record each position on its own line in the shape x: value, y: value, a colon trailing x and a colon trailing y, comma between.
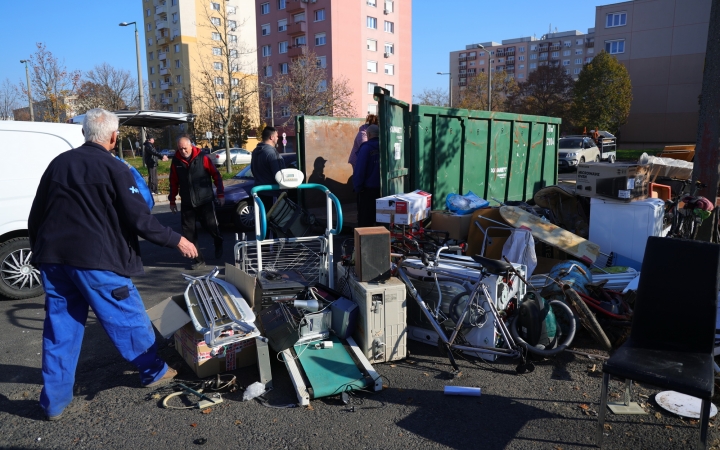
x: 633, y: 155
x: 164, y: 172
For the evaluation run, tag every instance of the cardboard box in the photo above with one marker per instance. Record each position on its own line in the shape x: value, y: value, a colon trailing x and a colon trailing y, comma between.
x: 457, y: 225
x: 403, y: 209
x: 169, y: 315
x: 191, y: 345
x: 492, y: 222
x: 622, y: 182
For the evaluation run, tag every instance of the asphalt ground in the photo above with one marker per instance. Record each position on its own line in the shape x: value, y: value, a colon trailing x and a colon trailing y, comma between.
x: 553, y: 407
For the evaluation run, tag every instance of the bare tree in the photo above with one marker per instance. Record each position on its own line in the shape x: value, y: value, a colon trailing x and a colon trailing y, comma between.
x: 433, y: 97
x: 548, y: 91
x: 475, y: 95
x: 227, y: 82
x: 306, y: 89
x: 106, y: 87
x: 52, y: 84
x: 9, y: 99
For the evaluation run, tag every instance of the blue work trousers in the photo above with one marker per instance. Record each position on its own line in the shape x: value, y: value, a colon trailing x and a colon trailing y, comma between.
x: 116, y: 303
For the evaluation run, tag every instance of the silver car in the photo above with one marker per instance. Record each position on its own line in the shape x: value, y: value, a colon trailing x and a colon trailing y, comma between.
x: 237, y: 156
x: 574, y: 150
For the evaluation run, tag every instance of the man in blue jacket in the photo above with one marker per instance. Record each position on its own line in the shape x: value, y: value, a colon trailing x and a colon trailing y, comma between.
x: 366, y: 177
x: 84, y: 226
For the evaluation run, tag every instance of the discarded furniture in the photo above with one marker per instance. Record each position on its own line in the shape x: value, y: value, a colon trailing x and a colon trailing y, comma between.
x: 673, y: 330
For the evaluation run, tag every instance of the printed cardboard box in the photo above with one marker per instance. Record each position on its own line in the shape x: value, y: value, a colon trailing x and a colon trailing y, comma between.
x: 621, y: 182
x: 191, y: 345
x: 403, y: 209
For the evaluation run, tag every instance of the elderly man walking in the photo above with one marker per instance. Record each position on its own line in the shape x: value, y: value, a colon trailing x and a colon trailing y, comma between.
x: 84, y: 226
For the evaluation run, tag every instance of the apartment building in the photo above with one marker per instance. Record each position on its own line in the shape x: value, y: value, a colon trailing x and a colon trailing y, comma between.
x: 519, y: 56
x: 366, y: 41
x: 662, y: 43
x: 185, y: 37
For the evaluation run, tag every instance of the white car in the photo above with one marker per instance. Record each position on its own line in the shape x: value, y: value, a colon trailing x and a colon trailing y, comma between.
x: 237, y: 155
x: 574, y: 150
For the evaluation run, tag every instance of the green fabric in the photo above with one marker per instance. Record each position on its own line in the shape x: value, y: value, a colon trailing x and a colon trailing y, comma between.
x: 329, y: 370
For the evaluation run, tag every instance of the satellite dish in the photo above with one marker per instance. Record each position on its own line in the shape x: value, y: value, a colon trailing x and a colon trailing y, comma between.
x: 289, y: 178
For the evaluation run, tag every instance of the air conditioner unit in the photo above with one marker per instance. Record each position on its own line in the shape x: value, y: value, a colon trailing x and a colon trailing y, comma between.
x: 387, y: 55
x: 386, y: 12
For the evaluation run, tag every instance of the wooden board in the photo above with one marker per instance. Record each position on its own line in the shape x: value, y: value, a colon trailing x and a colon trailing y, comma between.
x: 551, y: 234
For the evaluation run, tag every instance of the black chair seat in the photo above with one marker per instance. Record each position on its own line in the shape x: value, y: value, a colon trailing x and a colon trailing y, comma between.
x: 493, y: 266
x: 689, y: 373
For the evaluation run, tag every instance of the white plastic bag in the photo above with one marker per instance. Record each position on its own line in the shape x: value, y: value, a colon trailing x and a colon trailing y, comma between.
x: 520, y: 249
x: 254, y: 390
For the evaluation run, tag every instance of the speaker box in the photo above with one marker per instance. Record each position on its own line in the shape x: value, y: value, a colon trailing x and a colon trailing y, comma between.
x: 372, y: 253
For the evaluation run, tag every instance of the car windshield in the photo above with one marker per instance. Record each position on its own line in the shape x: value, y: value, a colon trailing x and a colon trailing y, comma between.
x: 570, y: 144
x: 245, y: 173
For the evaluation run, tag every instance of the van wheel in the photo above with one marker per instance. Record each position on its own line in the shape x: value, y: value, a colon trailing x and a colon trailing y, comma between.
x: 18, y: 279
x: 244, y: 217
x: 597, y: 158
x: 582, y: 160
x: 611, y: 159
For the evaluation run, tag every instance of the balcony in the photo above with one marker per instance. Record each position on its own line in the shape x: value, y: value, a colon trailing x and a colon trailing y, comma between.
x: 462, y: 58
x: 161, y: 9
x: 543, y: 63
x: 162, y: 40
x: 590, y: 44
x: 554, y: 48
x: 543, y: 58
x: 166, y: 86
x: 162, y: 56
x: 470, y: 58
x: 510, y: 53
x: 164, y: 71
x: 296, y: 8
x: 296, y: 51
x: 499, y: 53
x: 161, y: 24
x: 165, y: 101
x: 297, y: 28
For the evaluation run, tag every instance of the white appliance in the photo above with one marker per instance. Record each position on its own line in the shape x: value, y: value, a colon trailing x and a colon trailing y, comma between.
x: 381, y: 331
x: 623, y: 228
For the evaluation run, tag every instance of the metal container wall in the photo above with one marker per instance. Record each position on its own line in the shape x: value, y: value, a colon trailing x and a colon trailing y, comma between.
x: 323, y: 148
x: 447, y: 150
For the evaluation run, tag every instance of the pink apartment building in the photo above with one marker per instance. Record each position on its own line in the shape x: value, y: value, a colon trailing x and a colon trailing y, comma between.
x: 366, y: 41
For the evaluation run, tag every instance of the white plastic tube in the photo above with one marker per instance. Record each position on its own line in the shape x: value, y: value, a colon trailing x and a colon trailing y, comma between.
x: 462, y: 390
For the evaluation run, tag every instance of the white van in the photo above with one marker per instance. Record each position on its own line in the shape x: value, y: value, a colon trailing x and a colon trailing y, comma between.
x: 27, y: 149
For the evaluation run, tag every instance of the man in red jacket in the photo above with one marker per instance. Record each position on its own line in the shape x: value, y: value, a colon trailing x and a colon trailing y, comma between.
x: 192, y: 174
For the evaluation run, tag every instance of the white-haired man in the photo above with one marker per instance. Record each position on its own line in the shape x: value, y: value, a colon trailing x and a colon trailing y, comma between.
x: 84, y: 226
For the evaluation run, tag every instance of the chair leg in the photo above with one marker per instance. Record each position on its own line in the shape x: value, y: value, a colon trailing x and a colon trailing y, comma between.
x: 704, y: 419
x: 628, y: 383
x: 603, y: 408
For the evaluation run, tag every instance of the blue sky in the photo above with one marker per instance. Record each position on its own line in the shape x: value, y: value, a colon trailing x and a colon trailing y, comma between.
x: 85, y: 32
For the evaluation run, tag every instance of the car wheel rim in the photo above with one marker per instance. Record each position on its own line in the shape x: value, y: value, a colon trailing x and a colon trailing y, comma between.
x: 246, y: 216
x: 17, y: 272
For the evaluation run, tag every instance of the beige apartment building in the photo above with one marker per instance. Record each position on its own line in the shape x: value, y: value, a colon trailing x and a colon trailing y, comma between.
x: 186, y: 40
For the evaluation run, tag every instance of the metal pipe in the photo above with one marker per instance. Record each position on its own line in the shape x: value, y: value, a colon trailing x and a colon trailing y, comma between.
x: 30, y: 103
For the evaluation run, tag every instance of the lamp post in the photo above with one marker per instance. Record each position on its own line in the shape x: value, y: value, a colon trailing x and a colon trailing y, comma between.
x: 139, y: 71
x: 489, y: 79
x: 272, y: 106
x: 450, y: 86
x: 27, y: 76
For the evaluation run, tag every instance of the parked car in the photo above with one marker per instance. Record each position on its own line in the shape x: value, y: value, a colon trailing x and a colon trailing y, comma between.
x: 574, y: 150
x: 237, y: 155
x: 167, y: 152
x: 238, y: 207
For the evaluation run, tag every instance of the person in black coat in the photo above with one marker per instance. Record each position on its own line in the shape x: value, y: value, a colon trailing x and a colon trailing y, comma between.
x: 151, y: 157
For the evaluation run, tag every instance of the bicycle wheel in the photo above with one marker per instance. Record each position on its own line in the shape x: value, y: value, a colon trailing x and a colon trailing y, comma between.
x: 587, y: 318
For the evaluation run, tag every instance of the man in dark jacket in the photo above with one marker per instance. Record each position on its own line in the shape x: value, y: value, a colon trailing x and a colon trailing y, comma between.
x: 151, y: 157
x: 84, y: 226
x: 366, y: 177
x: 192, y: 174
x: 265, y: 163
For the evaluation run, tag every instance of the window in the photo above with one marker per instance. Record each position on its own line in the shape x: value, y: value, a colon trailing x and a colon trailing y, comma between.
x: 615, y: 20
x: 372, y: 66
x: 578, y: 60
x: 152, y: 69
x: 319, y: 15
x: 178, y: 78
x: 322, y: 86
x: 267, y: 70
x: 282, y: 25
x: 576, y: 71
x: 322, y: 62
x: 283, y: 68
x: 230, y: 9
x: 521, y: 58
x: 266, y: 50
x: 220, y: 95
x: 299, y: 17
x: 533, y: 48
x: 391, y: 88
x: 521, y: 66
x: 320, y: 39
x: 150, y: 41
x: 215, y: 6
x: 566, y: 62
x: 521, y: 75
x: 265, y: 29
x: 372, y: 45
x: 300, y: 40
x: 219, y: 81
x: 180, y: 108
x: 555, y: 54
x: 389, y: 69
x: 615, y: 47
x: 232, y: 25
x: 389, y: 27
x: 177, y: 63
x: 372, y: 22
x: 216, y: 36
x: 521, y: 49
x: 147, y: 13
x: 533, y: 56
x: 283, y: 47
x: 218, y: 66
x: 372, y: 108
x: 232, y: 37
x: 234, y: 67
x: 389, y: 48
x: 566, y: 52
x: 588, y: 60
x: 285, y: 111
x: 233, y: 53
x: 235, y: 82
x: 282, y: 4
x: 150, y: 56
x: 176, y: 47
x: 482, y: 62
x: 372, y: 3
x: 217, y: 51
x: 175, y: 17
x: 389, y: 6
x: 578, y: 51
x: 265, y: 8
x: 371, y: 88
x: 567, y: 43
x: 578, y: 42
x: 149, y: 26
x: 500, y: 60
x: 533, y: 65
x: 153, y: 84
x: 590, y: 50
x: 215, y: 20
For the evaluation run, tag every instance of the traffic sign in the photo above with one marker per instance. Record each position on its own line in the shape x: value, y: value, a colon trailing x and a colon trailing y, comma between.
x: 284, y: 136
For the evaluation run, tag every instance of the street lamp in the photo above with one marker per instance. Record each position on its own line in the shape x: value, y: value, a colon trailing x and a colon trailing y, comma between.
x: 489, y: 79
x: 139, y: 70
x: 27, y: 76
x: 272, y: 106
x: 450, y: 84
